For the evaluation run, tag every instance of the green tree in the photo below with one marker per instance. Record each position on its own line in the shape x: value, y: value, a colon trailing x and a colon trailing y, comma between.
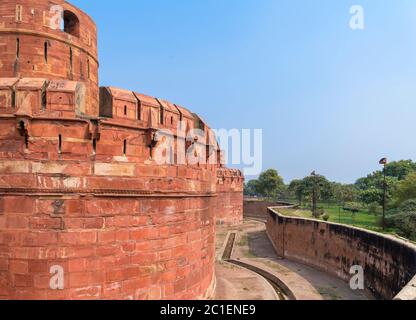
x: 297, y: 188
x: 400, y: 169
x: 250, y: 188
x: 343, y: 193
x: 270, y: 184
x: 406, y: 189
x: 371, y: 188
x: 317, y: 187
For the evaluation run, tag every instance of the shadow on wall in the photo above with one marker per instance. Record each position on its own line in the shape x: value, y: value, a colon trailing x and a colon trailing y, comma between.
x: 389, y: 263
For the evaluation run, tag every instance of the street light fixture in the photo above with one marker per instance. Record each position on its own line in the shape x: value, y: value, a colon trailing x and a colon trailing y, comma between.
x: 314, y: 195
x: 384, y: 162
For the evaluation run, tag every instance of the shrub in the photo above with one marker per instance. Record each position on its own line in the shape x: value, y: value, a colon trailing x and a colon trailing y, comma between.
x: 321, y: 211
x: 353, y: 207
x: 408, y: 206
x: 326, y: 217
x: 404, y: 223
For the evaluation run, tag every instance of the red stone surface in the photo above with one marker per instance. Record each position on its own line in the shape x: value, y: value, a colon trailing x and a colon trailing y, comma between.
x: 79, y: 187
x: 230, y: 197
x: 389, y: 263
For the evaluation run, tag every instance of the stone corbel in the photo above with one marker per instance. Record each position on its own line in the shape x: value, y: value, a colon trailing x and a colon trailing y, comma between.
x: 153, y: 138
x: 189, y: 143
x: 23, y: 126
x: 152, y: 133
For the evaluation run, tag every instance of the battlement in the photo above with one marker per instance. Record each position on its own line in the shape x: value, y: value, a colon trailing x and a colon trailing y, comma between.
x: 33, y: 97
x: 81, y: 184
x: 28, y: 102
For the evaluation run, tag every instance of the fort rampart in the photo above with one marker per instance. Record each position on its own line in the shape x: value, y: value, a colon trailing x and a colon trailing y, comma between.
x: 80, y: 187
x: 389, y: 263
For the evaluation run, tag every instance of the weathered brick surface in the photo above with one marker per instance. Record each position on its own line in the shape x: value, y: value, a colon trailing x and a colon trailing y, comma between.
x: 79, y: 186
x: 389, y: 263
x: 230, y: 197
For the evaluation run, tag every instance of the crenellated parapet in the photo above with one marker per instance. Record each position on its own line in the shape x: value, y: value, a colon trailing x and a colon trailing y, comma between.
x: 230, y: 187
x: 119, y: 189
x: 233, y: 177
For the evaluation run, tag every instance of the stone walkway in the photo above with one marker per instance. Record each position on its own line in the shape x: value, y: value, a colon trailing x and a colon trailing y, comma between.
x: 253, y: 247
x: 235, y: 283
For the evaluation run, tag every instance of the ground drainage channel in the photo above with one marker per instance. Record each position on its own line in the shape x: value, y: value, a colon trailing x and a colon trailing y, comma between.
x: 281, y: 288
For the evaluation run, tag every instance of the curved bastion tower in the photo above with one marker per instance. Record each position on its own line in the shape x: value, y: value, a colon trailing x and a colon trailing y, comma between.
x: 86, y: 209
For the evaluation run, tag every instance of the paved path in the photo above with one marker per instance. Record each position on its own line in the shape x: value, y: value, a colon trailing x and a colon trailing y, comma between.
x: 235, y: 283
x: 252, y: 246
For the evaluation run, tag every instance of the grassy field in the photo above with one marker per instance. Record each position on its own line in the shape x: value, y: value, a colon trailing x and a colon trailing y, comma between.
x: 361, y: 219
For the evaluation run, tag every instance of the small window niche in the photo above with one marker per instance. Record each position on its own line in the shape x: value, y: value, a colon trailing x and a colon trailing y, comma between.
x: 17, y: 49
x: 45, y: 51
x: 60, y: 144
x: 125, y: 148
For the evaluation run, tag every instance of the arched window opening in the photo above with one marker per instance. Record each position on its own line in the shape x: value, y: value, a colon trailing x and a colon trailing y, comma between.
x: 71, y: 23
x: 125, y: 110
x: 125, y: 148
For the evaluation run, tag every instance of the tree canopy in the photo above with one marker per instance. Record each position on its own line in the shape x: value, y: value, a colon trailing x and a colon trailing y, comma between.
x: 366, y: 194
x: 406, y: 189
x: 269, y: 184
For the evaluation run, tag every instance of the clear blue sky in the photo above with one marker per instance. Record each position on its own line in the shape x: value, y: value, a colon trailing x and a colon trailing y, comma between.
x: 328, y: 98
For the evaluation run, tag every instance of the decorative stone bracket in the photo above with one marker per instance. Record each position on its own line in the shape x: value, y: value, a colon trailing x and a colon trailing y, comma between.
x: 153, y: 138
x: 23, y: 126
x: 189, y: 143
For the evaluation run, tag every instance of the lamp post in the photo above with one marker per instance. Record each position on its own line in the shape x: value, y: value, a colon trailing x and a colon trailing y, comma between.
x: 314, y: 196
x: 384, y: 162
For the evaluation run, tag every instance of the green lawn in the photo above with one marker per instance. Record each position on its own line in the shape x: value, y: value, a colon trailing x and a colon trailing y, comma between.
x: 362, y: 219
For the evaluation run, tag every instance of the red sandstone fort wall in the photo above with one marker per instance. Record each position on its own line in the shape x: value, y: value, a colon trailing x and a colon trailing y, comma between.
x: 28, y: 26
x: 230, y: 197
x: 80, y: 186
x: 120, y: 228
x: 389, y: 264
x: 259, y: 209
